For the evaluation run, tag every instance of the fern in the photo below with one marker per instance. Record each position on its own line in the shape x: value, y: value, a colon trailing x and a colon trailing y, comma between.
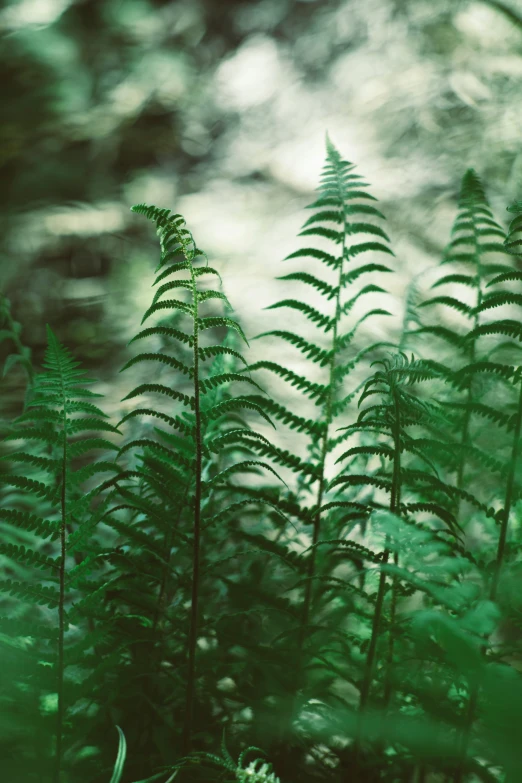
x: 343, y: 215
x: 494, y: 300
x: 182, y: 467
x: 360, y: 621
x: 62, y: 407
x: 397, y: 409
x: 475, y: 236
x: 340, y: 198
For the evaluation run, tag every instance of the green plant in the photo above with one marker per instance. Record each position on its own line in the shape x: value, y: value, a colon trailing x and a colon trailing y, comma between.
x: 59, y: 410
x: 359, y: 622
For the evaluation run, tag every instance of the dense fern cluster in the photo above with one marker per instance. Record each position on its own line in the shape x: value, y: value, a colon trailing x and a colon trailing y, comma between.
x: 349, y: 604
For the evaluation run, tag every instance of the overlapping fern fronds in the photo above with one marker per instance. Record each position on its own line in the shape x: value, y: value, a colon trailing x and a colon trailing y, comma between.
x: 442, y: 615
x: 486, y: 382
x: 413, y: 487
x: 345, y: 623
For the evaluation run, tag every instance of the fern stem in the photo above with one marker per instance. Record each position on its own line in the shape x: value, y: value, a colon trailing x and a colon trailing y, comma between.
x: 315, y: 538
x: 192, y: 638
x: 394, y: 505
x: 377, y: 617
x: 61, y: 609
x: 393, y: 612
x: 508, y: 500
x: 464, y: 436
x: 395, y: 497
x: 472, y: 356
x: 324, y: 445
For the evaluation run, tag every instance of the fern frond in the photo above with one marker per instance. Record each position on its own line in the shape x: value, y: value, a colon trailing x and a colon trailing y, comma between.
x: 295, y: 422
x: 508, y: 328
x: 27, y: 556
x: 213, y: 322
x: 213, y: 381
x: 11, y: 330
x: 311, y: 389
x: 444, y: 332
x: 38, y: 594
x: 504, y: 371
x: 169, y: 361
x: 312, y: 314
x: 164, y: 331
x: 309, y: 349
x: 159, y: 388
x: 238, y: 468
x: 43, y: 528
x: 168, y: 304
x: 176, y: 423
x: 321, y: 286
x: 212, y: 351
x: 449, y: 301
x: 467, y: 280
x: 224, y: 407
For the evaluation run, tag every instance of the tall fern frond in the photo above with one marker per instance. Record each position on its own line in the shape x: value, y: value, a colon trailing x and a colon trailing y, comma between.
x: 340, y: 201
x: 60, y: 409
x: 187, y: 468
x: 477, y: 240
x: 332, y: 298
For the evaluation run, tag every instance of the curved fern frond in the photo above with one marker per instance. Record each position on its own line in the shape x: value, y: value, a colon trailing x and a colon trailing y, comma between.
x: 188, y: 464
x: 310, y: 388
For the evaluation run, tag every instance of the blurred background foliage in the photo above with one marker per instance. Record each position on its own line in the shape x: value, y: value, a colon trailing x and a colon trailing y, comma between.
x: 218, y: 109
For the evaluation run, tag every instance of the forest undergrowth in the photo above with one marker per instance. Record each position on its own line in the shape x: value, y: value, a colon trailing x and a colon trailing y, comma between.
x: 183, y: 598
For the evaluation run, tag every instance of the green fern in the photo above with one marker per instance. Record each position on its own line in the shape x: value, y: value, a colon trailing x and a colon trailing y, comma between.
x: 476, y: 235
x: 60, y: 408
x: 363, y: 622
x: 189, y: 467
x: 340, y: 200
x: 344, y: 216
x: 396, y: 411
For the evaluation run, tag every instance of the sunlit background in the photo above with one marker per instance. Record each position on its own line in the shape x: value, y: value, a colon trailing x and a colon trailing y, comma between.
x: 219, y: 110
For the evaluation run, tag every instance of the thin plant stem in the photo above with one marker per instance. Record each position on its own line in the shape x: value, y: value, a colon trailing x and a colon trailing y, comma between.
x: 328, y: 416
x: 193, y: 629
x: 377, y: 616
x: 394, y: 506
x: 508, y: 500
x: 61, y: 602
